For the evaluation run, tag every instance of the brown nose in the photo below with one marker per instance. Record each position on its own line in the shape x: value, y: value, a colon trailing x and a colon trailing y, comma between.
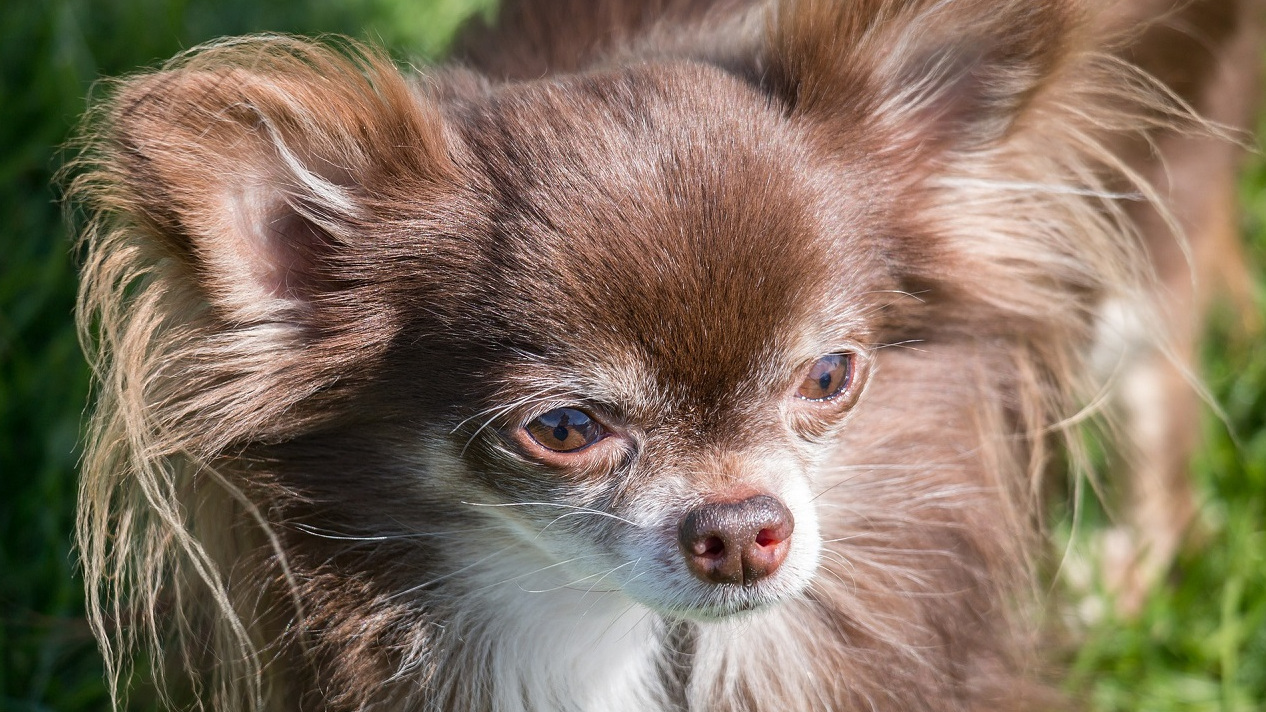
x: 736, y: 542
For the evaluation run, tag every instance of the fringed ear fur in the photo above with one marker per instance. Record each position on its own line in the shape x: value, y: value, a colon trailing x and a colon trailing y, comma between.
x: 926, y: 73
x: 252, y: 160
x: 240, y: 201
x: 244, y: 202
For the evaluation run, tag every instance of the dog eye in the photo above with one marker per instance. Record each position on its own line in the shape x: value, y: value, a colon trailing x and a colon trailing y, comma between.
x: 564, y: 430
x: 827, y: 378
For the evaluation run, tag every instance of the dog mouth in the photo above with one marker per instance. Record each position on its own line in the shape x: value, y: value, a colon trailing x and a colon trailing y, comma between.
x: 730, y: 604
x: 715, y: 560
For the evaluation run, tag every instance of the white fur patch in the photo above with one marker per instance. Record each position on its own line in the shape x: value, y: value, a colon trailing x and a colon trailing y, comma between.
x: 556, y: 645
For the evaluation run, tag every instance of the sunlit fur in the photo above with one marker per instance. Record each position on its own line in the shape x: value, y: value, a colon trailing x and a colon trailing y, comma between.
x: 317, y: 293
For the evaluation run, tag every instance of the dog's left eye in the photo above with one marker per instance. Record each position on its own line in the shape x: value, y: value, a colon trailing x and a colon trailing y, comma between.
x: 564, y: 430
x: 827, y: 378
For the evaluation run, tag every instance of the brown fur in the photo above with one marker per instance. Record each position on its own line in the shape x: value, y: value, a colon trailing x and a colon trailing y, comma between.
x: 321, y: 298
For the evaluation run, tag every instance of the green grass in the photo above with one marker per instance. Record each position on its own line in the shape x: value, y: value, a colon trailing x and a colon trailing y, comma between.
x: 1199, y: 645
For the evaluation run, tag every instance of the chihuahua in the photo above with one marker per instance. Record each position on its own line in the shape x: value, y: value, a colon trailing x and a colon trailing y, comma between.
x: 660, y: 355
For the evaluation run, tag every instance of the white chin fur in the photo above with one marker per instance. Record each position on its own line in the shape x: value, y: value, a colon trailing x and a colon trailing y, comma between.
x: 558, y: 638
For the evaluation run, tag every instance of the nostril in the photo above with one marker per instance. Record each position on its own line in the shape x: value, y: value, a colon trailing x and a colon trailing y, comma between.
x: 709, y: 547
x: 767, y: 538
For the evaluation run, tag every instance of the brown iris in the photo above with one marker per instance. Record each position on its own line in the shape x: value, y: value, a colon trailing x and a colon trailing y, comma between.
x: 564, y: 430
x: 827, y: 378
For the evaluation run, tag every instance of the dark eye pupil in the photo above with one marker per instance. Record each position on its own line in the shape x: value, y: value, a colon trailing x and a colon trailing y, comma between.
x: 564, y: 430
x: 824, y: 381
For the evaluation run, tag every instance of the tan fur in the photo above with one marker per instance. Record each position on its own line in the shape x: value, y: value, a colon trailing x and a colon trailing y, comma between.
x: 321, y: 298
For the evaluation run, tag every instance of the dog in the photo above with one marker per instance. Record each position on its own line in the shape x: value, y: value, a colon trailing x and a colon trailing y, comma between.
x: 662, y: 355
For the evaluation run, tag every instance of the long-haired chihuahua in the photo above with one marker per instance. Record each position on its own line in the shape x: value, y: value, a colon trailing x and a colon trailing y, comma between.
x: 661, y: 355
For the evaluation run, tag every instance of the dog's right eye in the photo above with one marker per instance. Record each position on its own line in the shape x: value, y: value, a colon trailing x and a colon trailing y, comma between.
x: 564, y: 430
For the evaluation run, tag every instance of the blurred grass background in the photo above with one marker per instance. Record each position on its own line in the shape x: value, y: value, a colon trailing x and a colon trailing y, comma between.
x: 1199, y: 645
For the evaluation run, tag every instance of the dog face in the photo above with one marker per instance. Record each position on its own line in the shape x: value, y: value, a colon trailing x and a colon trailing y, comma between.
x: 636, y: 313
x: 653, y: 330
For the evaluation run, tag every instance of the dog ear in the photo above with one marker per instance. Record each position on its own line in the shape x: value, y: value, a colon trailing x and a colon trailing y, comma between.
x: 256, y: 161
x: 936, y: 74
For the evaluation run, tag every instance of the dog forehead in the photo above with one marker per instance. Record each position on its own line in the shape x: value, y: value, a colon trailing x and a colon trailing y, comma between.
x: 666, y: 218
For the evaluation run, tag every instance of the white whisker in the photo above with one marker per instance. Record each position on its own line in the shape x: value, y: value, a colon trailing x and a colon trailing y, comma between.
x: 580, y: 510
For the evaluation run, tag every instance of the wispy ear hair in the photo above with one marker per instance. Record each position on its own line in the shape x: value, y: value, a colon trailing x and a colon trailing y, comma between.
x: 224, y: 282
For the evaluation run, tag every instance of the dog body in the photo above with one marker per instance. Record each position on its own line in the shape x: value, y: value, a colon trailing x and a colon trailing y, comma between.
x: 672, y: 355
